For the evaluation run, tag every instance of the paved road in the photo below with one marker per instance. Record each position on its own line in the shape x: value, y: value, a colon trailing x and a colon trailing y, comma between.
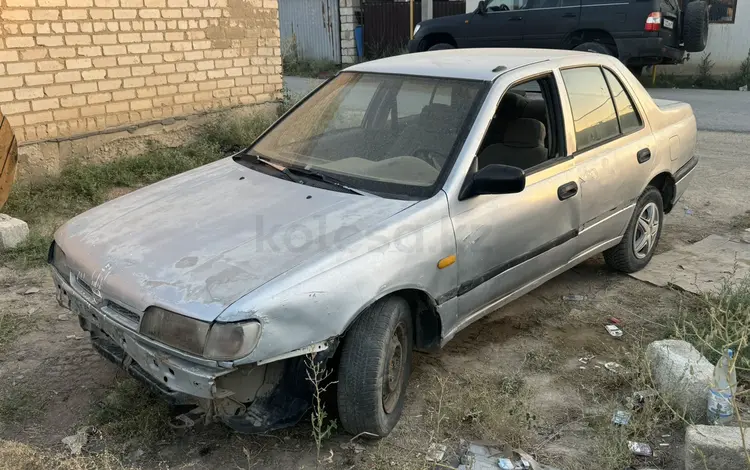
x: 716, y: 110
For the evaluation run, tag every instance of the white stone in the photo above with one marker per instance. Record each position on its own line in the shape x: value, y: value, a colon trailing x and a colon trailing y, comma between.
x: 12, y: 232
x: 682, y: 375
x: 745, y: 235
x: 714, y: 447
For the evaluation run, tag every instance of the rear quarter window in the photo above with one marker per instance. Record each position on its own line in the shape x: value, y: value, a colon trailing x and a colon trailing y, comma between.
x: 628, y: 115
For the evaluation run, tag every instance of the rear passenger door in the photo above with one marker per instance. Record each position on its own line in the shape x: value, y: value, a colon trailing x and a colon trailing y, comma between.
x: 612, y: 151
x: 548, y: 22
x: 613, y: 16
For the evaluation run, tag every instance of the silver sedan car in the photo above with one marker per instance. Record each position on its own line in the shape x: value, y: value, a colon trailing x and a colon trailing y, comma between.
x: 395, y: 205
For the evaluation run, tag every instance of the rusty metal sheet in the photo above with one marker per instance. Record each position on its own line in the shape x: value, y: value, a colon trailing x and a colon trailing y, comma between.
x: 8, y: 159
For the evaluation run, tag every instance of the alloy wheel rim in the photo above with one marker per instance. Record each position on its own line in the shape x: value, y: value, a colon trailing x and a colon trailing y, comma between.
x: 646, y: 231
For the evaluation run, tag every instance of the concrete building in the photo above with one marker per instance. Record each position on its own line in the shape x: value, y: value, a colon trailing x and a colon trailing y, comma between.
x: 728, y: 38
x: 72, y: 69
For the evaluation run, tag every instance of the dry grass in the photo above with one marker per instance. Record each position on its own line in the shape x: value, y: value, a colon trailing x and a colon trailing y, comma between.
x: 17, y: 456
x: 131, y: 412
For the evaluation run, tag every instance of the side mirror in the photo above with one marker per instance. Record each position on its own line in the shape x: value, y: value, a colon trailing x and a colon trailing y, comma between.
x: 482, y: 7
x: 494, y: 179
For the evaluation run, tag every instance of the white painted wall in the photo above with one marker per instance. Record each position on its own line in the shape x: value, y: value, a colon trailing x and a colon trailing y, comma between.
x: 727, y: 43
x: 471, y: 5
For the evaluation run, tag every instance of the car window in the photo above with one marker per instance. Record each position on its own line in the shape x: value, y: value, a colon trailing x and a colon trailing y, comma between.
x: 506, y: 5
x: 532, y: 4
x: 413, y: 96
x: 404, y: 159
x: 354, y: 104
x: 523, y: 132
x: 626, y: 112
x: 594, y: 116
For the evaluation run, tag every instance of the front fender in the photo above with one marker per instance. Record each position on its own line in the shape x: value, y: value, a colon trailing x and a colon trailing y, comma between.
x: 319, y: 301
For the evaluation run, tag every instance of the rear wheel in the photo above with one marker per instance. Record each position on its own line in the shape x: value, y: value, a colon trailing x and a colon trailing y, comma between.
x: 638, y: 244
x: 375, y: 368
x: 441, y: 47
x: 592, y: 46
x: 695, y: 31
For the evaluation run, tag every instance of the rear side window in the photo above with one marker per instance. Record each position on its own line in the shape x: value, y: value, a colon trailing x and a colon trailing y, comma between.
x: 594, y: 116
x: 629, y: 119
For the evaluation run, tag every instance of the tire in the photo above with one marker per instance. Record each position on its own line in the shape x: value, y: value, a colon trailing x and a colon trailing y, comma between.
x: 597, y: 47
x: 624, y: 256
x: 695, y: 31
x: 636, y: 70
x: 368, y: 402
x: 441, y: 47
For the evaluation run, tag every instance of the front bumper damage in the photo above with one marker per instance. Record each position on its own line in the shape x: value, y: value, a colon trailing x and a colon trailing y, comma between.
x: 250, y: 399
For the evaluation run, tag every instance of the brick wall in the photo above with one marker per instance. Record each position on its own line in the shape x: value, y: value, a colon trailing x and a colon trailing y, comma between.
x: 347, y: 15
x: 69, y: 67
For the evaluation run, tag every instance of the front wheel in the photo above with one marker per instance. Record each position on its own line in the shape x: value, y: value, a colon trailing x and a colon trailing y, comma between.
x: 638, y: 244
x: 375, y: 368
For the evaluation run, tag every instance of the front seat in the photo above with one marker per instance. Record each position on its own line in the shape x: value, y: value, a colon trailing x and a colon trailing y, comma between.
x: 522, y: 146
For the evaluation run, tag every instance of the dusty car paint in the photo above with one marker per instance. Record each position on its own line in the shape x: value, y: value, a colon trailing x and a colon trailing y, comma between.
x: 224, y: 243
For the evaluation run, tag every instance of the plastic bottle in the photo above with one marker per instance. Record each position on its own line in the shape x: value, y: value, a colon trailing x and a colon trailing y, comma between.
x: 723, y: 387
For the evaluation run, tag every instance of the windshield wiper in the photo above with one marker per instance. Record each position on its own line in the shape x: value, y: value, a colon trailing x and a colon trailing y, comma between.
x: 280, y: 168
x: 324, y: 178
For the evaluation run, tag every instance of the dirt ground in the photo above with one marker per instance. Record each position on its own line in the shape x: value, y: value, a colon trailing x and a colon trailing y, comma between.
x: 513, y: 376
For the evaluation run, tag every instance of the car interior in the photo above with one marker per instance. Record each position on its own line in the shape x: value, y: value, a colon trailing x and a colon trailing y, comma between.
x: 520, y: 133
x: 411, y: 139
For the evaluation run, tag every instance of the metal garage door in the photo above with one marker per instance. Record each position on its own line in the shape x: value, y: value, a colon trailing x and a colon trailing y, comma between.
x: 313, y: 25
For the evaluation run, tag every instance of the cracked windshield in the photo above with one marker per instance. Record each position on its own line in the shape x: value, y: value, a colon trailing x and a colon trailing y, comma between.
x: 379, y: 133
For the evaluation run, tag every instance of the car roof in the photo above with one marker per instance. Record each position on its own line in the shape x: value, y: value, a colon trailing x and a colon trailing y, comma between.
x: 473, y: 64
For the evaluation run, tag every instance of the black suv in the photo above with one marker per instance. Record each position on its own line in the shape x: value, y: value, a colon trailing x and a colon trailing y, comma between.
x: 638, y: 32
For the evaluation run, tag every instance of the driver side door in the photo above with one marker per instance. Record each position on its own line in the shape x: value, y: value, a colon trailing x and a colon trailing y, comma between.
x: 510, y: 243
x: 500, y: 26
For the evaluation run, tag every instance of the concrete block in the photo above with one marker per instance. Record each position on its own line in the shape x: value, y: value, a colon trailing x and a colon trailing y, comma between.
x: 12, y: 232
x: 714, y: 447
x: 682, y: 375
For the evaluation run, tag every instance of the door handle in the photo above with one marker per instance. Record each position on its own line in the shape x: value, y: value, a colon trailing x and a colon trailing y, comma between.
x: 515, y: 18
x: 567, y: 191
x: 644, y: 155
x: 569, y: 15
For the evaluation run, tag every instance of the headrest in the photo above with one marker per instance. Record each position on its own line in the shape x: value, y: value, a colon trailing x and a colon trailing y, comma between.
x: 525, y: 133
x: 511, y: 106
x: 439, y: 116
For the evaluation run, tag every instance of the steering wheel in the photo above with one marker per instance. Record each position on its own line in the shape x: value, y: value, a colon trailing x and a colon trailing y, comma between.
x: 504, y: 7
x: 435, y: 159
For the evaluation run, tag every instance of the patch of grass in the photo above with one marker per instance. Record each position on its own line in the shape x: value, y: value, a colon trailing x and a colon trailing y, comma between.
x: 131, y: 411
x: 45, y: 204
x: 233, y: 135
x: 18, y: 404
x: 543, y: 359
x: 12, y: 325
x: 722, y: 322
x: 704, y: 77
x: 493, y: 408
x: 18, y: 456
x: 741, y: 221
x: 313, y: 68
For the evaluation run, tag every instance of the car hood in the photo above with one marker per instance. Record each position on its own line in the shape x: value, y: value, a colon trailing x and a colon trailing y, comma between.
x: 450, y: 24
x: 197, y: 242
